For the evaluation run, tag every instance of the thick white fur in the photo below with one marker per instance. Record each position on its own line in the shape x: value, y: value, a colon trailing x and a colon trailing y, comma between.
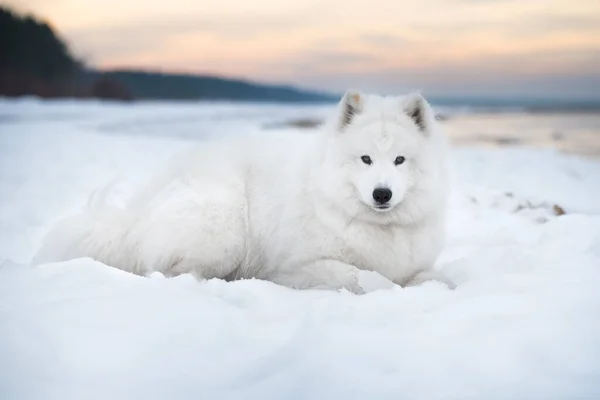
x: 296, y: 209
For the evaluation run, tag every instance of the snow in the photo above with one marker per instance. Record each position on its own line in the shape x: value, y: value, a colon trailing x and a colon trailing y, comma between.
x: 524, y: 321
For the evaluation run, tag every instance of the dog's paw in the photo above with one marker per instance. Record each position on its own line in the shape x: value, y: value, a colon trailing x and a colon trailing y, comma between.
x: 429, y: 275
x: 370, y: 281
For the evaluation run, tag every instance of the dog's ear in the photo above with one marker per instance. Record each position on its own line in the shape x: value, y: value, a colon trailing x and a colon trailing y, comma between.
x: 350, y: 105
x: 418, y: 109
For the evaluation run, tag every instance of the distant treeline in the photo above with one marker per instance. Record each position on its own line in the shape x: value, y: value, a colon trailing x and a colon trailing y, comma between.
x: 154, y: 85
x: 35, y: 61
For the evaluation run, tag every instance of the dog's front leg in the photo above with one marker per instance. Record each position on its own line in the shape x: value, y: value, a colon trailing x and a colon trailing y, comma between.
x: 428, y: 275
x: 333, y: 274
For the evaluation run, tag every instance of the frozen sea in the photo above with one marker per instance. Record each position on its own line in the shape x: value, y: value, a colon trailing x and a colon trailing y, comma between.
x: 524, y: 249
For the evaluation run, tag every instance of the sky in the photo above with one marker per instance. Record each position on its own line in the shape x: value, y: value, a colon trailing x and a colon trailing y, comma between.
x: 530, y: 48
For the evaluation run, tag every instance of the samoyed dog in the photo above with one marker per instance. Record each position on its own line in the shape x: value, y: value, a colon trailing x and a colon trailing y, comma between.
x: 358, y: 205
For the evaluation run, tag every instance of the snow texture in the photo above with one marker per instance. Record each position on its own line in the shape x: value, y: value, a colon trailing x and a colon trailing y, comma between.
x: 524, y: 322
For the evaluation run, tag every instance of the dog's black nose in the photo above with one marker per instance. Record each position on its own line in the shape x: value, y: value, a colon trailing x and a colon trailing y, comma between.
x: 382, y: 195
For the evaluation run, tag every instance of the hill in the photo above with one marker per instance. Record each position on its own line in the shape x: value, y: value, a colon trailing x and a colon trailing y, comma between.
x: 33, y: 59
x: 157, y: 85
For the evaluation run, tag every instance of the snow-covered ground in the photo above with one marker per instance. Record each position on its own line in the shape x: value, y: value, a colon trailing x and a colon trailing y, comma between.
x: 524, y: 322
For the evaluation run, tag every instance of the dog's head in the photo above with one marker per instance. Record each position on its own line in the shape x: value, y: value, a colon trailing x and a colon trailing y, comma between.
x: 381, y: 151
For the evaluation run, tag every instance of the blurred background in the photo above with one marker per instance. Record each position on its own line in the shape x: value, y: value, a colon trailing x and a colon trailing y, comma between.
x: 500, y: 72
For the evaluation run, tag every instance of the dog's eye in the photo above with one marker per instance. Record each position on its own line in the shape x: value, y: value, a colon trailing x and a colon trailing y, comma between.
x: 366, y: 160
x: 399, y: 160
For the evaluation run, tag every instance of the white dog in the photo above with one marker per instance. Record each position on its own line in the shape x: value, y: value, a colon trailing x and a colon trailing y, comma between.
x: 360, y: 205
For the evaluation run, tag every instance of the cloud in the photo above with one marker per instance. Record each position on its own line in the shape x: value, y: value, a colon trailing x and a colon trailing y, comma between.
x: 155, y: 36
x: 384, y: 40
x: 487, y: 2
x: 553, y: 23
x: 335, y: 57
x: 226, y: 27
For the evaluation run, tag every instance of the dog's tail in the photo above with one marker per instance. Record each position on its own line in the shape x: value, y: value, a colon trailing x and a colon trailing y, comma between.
x: 99, y: 231
x: 99, y: 197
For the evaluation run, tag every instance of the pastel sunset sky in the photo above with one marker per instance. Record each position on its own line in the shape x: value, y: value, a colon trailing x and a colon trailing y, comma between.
x: 444, y: 47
